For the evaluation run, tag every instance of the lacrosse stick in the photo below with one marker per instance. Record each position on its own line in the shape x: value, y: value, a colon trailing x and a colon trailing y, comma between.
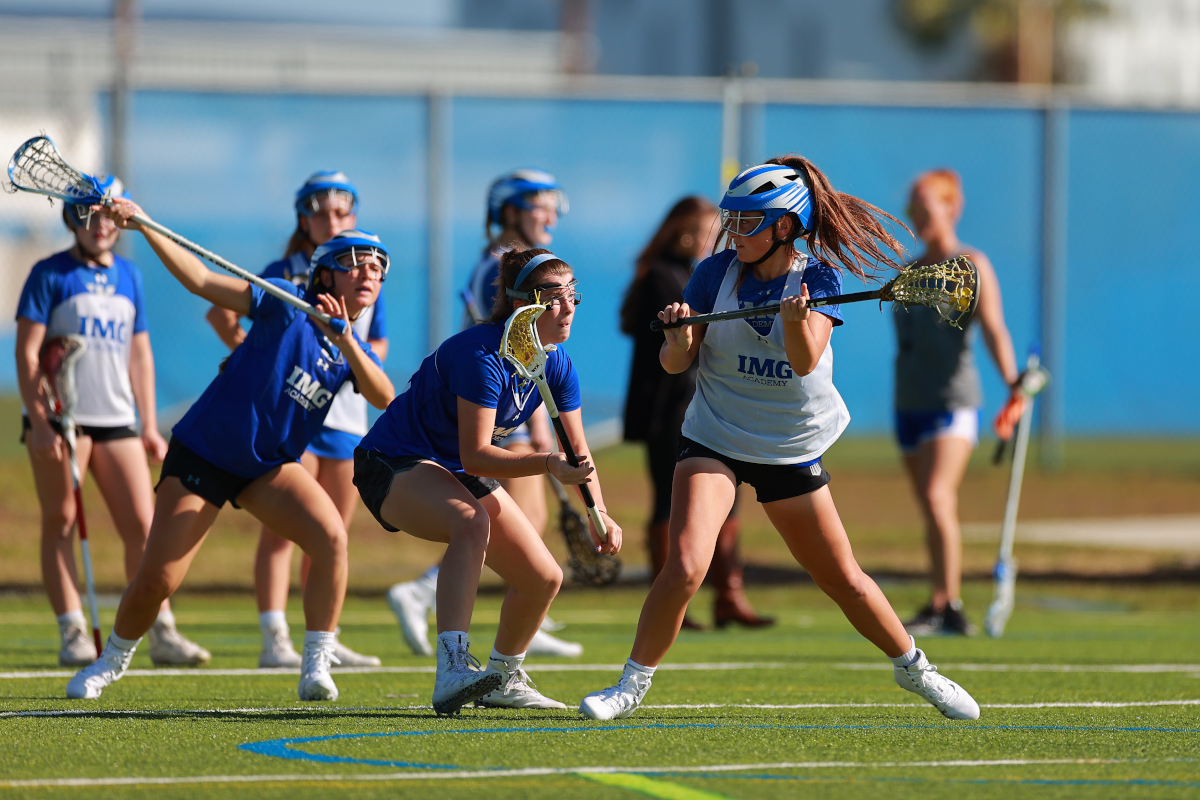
x: 57, y: 361
x: 1004, y: 575
x: 472, y: 307
x: 950, y: 287
x: 587, y: 566
x: 38, y: 167
x: 523, y: 348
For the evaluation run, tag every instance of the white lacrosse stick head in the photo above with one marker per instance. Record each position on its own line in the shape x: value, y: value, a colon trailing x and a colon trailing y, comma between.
x: 38, y: 167
x: 521, y: 344
x: 57, y: 362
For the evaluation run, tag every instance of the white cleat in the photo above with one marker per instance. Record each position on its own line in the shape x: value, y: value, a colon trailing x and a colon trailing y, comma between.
x: 544, y: 644
x: 617, y: 702
x: 279, y: 652
x: 550, y: 626
x: 944, y: 694
x: 348, y: 658
x: 460, y: 679
x: 408, y: 602
x: 315, y: 681
x: 93, y: 679
x: 517, y: 692
x: 78, y: 649
x: 169, y: 647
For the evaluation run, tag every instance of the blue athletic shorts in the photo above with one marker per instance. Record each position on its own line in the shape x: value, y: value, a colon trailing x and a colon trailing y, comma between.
x: 914, y: 428
x: 334, y: 444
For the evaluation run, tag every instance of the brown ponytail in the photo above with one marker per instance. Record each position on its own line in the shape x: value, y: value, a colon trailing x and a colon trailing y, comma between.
x: 848, y: 233
x: 298, y: 242
x: 510, y: 267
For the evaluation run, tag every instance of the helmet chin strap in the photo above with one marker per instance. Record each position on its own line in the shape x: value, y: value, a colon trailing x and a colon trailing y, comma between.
x: 774, y: 246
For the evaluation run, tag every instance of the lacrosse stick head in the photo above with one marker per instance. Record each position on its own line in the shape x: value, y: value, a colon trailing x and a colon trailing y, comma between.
x: 521, y: 344
x: 57, y: 363
x: 38, y: 167
x: 951, y: 288
x: 587, y: 566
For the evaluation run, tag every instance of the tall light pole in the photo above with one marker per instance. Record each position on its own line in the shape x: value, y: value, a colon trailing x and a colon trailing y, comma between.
x: 125, y: 13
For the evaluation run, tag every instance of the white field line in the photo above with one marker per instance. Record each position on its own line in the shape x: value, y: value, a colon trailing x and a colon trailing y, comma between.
x: 72, y: 712
x: 430, y: 669
x: 536, y: 771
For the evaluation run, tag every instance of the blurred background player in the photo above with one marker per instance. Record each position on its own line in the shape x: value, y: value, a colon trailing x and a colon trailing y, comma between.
x: 92, y: 291
x: 326, y: 205
x: 430, y: 466
x: 938, y: 395
x: 242, y: 440
x: 657, y: 399
x: 522, y: 212
x: 771, y: 428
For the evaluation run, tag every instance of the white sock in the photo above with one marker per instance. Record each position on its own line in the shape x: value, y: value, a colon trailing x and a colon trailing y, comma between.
x: 128, y: 645
x: 506, y: 664
x: 272, y: 620
x: 909, y: 658
x: 166, y: 618
x: 319, y: 638
x: 427, y: 583
x: 72, y: 619
x: 631, y: 665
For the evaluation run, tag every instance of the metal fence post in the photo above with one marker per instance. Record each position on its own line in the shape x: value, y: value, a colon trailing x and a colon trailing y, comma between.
x: 440, y: 173
x: 731, y: 132
x: 1056, y: 177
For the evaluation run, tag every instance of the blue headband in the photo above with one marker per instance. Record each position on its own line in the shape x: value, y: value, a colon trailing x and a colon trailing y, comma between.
x: 533, y: 264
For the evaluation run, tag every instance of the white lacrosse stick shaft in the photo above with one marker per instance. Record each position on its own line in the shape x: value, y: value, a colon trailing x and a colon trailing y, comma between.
x: 1004, y: 574
x: 270, y: 288
x: 67, y: 422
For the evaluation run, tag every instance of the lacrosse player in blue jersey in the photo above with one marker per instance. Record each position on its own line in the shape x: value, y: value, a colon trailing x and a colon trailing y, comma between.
x: 522, y: 212
x: 91, y: 291
x: 431, y: 466
x: 325, y: 205
x: 242, y: 441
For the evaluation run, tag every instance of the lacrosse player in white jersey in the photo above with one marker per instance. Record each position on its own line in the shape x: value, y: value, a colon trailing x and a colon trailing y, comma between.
x: 765, y: 411
x: 92, y: 292
x: 522, y: 212
x: 326, y: 205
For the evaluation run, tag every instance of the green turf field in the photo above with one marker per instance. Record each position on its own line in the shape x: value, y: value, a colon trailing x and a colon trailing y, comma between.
x: 805, y: 710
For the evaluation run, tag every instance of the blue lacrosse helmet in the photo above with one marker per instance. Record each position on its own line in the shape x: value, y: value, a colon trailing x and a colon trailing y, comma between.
x: 323, y: 184
x: 354, y: 242
x: 768, y: 189
x: 107, y: 186
x: 514, y: 189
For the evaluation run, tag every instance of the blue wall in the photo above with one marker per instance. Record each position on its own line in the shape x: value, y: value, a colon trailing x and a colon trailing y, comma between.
x: 221, y: 169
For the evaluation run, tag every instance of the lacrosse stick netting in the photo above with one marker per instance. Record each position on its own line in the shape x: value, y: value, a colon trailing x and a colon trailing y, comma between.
x: 523, y: 349
x: 951, y: 288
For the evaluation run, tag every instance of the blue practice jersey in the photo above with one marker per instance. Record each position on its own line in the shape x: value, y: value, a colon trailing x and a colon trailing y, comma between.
x: 104, y: 305
x: 272, y: 398
x: 701, y: 291
x: 423, y: 421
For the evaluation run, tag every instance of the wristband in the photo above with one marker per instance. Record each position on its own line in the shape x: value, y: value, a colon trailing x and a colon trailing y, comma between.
x: 548, y: 463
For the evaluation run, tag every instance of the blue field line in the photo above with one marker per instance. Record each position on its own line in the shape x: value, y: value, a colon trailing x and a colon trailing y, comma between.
x: 284, y: 748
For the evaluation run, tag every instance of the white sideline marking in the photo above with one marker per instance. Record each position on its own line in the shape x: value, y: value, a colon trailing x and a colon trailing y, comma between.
x: 430, y: 775
x: 69, y: 712
x: 874, y: 665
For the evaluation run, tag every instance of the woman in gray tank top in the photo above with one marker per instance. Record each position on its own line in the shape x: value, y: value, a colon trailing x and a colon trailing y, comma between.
x: 938, y: 395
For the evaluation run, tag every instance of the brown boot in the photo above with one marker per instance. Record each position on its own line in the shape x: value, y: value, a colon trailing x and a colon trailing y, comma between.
x: 658, y: 544
x: 732, y: 604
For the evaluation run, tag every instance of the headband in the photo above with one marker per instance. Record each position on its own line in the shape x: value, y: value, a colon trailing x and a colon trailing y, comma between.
x: 533, y: 264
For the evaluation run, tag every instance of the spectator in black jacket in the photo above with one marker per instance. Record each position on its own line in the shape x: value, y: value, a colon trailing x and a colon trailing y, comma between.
x: 657, y: 401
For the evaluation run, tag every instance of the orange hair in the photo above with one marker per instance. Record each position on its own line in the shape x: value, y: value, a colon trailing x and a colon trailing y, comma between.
x: 946, y: 182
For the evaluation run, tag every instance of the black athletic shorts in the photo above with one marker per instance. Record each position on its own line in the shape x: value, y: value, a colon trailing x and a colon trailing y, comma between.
x: 373, y: 474
x: 771, y: 481
x: 202, y: 477
x: 98, y: 433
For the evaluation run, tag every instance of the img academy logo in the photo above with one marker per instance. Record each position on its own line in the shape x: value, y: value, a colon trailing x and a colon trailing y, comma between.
x: 307, y: 390
x: 766, y: 372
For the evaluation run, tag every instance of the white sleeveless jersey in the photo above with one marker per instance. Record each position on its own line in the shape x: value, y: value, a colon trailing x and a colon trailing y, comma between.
x: 749, y: 403
x: 348, y: 412
x: 105, y: 306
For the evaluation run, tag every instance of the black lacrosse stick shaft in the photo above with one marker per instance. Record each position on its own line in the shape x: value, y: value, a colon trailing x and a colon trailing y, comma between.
x: 743, y: 313
x: 572, y: 459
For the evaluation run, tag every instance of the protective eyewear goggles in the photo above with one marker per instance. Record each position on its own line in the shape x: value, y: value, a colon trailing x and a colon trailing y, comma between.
x: 358, y: 259
x: 743, y: 223
x: 552, y: 294
x: 531, y: 200
x: 336, y: 199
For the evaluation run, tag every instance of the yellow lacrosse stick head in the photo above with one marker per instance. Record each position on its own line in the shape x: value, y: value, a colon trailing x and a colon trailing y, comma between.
x: 521, y: 344
x: 951, y: 288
